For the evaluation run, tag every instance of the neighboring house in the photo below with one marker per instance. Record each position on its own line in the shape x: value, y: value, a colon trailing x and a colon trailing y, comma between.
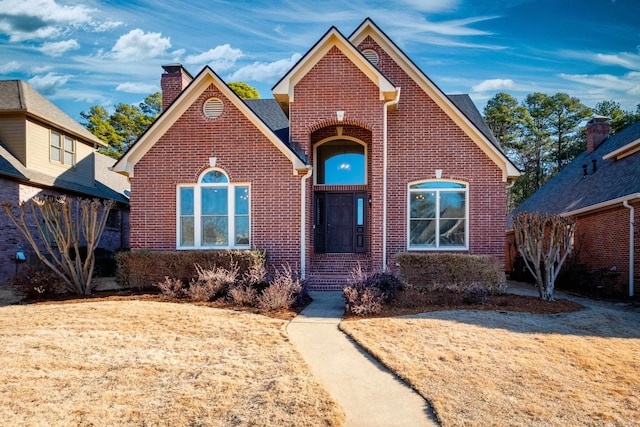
x: 601, y: 189
x: 43, y: 151
x: 359, y: 156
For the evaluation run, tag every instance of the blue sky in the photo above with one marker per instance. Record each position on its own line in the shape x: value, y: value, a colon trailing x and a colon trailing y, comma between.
x: 80, y: 53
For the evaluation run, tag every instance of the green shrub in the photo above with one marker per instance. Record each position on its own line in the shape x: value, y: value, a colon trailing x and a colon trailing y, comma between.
x: 452, y: 272
x: 144, y: 269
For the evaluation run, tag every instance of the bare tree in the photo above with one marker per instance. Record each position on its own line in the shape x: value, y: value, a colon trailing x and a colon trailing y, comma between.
x: 65, y: 226
x: 544, y: 241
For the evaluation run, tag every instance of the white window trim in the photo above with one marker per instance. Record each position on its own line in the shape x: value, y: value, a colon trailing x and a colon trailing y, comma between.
x: 467, y: 219
x: 340, y: 138
x: 197, y: 212
x: 62, y: 148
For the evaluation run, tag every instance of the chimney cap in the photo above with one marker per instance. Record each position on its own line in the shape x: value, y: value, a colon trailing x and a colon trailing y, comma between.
x: 176, y: 69
x: 599, y: 119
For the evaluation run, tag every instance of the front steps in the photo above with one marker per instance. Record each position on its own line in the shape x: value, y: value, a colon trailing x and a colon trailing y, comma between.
x: 331, y: 272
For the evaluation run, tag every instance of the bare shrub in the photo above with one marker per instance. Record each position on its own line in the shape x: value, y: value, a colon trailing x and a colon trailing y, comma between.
x: 171, y: 288
x: 211, y: 283
x: 242, y: 294
x: 38, y: 282
x: 361, y: 300
x: 475, y: 293
x: 282, y: 291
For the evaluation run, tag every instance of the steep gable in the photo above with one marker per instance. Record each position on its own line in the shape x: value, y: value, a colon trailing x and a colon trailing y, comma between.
x: 185, y: 100
x: 461, y: 117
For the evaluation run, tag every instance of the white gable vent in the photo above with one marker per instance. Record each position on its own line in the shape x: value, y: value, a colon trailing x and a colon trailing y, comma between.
x: 371, y: 55
x: 212, y: 108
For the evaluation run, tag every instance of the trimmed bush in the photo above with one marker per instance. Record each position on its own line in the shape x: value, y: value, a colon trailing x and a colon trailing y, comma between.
x: 37, y: 281
x: 452, y: 272
x: 144, y: 269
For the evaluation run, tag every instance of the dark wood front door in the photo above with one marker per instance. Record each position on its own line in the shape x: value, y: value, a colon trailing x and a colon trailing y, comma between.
x: 339, y: 222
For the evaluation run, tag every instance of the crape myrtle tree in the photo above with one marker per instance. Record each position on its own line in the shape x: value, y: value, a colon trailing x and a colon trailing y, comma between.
x: 544, y: 241
x: 57, y: 228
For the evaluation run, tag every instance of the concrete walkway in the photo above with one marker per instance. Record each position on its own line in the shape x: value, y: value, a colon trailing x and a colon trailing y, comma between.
x: 369, y: 394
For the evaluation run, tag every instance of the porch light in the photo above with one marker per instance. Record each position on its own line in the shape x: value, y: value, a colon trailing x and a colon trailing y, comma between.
x: 438, y: 173
x: 340, y: 115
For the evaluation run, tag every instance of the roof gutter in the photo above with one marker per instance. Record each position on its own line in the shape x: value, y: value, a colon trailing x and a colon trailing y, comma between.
x: 387, y: 104
x: 631, y: 254
x: 602, y: 205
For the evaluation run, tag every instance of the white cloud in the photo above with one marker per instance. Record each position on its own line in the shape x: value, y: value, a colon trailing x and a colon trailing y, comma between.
x: 59, y: 48
x: 10, y: 67
x: 493, y: 85
x: 137, y: 44
x: 606, y: 81
x: 131, y: 87
x: 624, y: 59
x: 107, y: 26
x: 48, y: 84
x: 265, y: 71
x: 221, y: 58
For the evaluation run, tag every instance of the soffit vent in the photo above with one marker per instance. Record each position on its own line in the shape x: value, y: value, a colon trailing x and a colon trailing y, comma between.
x: 212, y: 108
x: 371, y: 55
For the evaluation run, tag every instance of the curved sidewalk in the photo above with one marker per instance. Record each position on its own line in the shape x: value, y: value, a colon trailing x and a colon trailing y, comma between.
x: 369, y: 394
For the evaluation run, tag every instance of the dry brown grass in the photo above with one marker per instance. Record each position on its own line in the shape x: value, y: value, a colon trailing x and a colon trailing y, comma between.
x: 480, y: 368
x: 129, y: 363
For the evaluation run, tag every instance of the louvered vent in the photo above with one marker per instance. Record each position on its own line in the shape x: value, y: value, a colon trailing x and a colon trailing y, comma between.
x: 371, y: 55
x: 212, y: 108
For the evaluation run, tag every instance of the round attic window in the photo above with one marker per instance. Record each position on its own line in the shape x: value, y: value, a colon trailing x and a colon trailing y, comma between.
x: 212, y: 108
x: 371, y: 55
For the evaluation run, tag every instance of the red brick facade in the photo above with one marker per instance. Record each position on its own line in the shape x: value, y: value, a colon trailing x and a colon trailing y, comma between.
x: 421, y: 138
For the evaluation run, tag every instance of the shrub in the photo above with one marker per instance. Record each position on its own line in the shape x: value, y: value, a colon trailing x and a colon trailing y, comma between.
x: 143, y: 269
x: 282, y: 291
x: 171, y: 288
x: 452, y: 272
x: 368, y: 292
x: 211, y: 283
x: 242, y: 294
x: 475, y: 293
x: 37, y: 281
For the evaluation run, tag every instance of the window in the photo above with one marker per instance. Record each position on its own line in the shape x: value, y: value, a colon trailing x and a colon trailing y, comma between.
x: 438, y: 212
x: 340, y: 162
x: 213, y: 213
x: 62, y: 149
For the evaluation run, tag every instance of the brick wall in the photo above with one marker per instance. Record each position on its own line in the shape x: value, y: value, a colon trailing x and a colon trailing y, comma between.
x: 602, y: 241
x: 244, y: 153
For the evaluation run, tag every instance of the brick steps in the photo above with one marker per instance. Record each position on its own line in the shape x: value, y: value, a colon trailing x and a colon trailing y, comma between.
x: 331, y: 272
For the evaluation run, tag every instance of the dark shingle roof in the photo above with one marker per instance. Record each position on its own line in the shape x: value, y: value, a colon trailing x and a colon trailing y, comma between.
x: 20, y: 96
x: 108, y: 184
x: 468, y: 108
x: 570, y: 190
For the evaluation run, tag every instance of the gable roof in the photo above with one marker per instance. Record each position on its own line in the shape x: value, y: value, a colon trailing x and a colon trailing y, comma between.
x: 199, y: 84
x: 487, y: 144
x: 283, y: 90
x: 108, y: 185
x: 18, y: 96
x: 570, y: 192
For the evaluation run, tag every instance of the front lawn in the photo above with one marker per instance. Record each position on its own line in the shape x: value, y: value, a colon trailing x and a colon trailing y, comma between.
x: 481, y: 368
x: 134, y: 363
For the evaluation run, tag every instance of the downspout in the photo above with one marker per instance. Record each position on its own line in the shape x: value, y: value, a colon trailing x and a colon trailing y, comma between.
x: 626, y: 204
x: 303, y: 223
x: 394, y: 101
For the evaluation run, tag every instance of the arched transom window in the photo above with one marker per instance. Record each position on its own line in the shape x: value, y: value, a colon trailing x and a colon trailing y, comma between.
x: 213, y: 213
x: 340, y: 162
x: 438, y: 215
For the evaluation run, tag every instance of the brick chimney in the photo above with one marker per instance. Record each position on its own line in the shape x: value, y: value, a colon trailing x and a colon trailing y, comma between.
x: 598, y: 129
x: 174, y: 79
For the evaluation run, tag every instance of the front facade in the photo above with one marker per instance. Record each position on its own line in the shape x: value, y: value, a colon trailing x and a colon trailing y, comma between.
x: 45, y: 152
x: 358, y: 157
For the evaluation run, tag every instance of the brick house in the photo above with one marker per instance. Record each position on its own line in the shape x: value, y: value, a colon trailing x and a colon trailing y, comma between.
x: 601, y: 189
x: 359, y: 156
x: 43, y: 151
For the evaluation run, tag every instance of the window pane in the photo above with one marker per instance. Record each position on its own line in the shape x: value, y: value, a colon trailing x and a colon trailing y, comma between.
x: 437, y: 184
x: 452, y: 205
x: 55, y: 154
x: 360, y: 211
x: 186, y: 201
x: 242, y: 230
x: 422, y: 233
x: 68, y: 144
x: 214, y: 201
x: 242, y: 200
x: 55, y: 139
x: 341, y: 162
x: 214, y: 177
x: 68, y: 158
x: 215, y: 231
x: 186, y: 231
x: 423, y: 205
x: 452, y: 232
